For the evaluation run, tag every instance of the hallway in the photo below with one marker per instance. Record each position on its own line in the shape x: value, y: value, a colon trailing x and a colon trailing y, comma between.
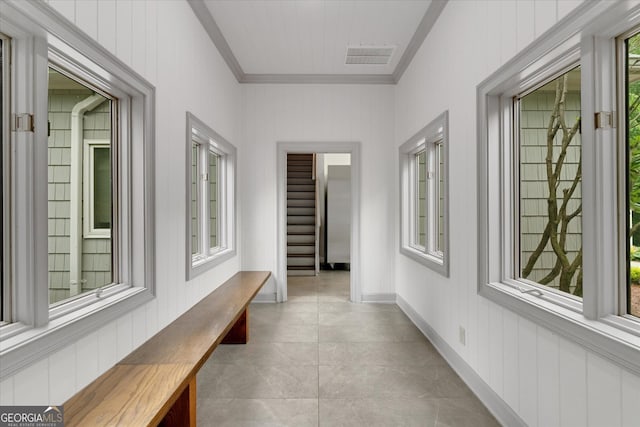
x: 320, y: 360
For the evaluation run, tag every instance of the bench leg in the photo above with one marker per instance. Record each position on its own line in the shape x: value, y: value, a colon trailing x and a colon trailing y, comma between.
x: 183, y: 411
x: 239, y: 332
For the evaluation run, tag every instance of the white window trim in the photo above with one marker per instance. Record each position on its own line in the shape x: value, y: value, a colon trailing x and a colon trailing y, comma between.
x: 5, y: 310
x: 210, y: 141
x: 37, y: 331
x: 586, y: 35
x: 427, y: 139
x: 90, y: 232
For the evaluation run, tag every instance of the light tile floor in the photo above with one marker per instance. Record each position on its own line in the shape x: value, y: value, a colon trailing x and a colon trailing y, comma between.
x: 320, y: 360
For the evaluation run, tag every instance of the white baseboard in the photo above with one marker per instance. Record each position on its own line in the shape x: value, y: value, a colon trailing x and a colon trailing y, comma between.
x: 494, y: 403
x: 262, y: 298
x: 379, y: 298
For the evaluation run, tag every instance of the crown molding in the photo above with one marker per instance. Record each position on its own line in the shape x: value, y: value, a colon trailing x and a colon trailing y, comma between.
x: 385, y: 79
x: 426, y: 24
x: 212, y: 29
x: 215, y: 34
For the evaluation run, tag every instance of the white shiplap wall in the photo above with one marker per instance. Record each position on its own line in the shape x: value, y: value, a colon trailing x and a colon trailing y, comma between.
x: 165, y: 43
x: 325, y: 113
x: 546, y: 379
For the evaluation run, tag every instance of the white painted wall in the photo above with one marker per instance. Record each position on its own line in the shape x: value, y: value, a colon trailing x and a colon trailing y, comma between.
x: 546, y: 379
x: 291, y: 113
x: 165, y: 43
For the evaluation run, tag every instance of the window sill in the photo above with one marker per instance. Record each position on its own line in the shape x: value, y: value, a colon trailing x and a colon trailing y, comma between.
x: 432, y: 262
x: 200, y: 265
x: 22, y: 345
x: 606, y: 336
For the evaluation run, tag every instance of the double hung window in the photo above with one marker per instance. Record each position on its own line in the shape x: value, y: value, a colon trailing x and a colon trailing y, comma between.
x: 210, y: 197
x: 423, y: 169
x: 77, y: 185
x: 559, y: 193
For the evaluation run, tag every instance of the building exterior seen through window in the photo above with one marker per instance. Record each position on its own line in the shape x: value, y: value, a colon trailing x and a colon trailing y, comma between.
x: 421, y: 188
x: 212, y: 176
x: 550, y: 175
x: 80, y: 188
x: 195, y: 194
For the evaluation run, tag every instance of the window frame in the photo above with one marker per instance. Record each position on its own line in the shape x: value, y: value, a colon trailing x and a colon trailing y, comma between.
x: 586, y: 36
x: 90, y: 231
x: 40, y: 35
x: 209, y: 141
x: 428, y: 139
x: 5, y: 186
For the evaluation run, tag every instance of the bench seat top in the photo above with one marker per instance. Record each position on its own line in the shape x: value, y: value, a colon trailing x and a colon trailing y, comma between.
x: 141, y: 388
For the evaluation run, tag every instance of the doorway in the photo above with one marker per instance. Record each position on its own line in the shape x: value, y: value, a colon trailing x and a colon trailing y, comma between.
x: 352, y: 249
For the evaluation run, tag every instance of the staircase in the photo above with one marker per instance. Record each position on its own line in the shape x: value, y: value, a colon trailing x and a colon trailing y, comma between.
x: 301, y: 215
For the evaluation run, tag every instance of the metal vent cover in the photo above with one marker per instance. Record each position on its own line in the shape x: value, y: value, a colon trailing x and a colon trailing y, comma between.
x: 369, y: 55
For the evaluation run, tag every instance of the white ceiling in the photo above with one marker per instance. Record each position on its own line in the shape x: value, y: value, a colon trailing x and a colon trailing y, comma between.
x: 305, y: 41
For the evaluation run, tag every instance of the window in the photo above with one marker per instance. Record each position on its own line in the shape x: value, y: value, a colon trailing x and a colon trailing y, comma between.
x: 5, y: 295
x: 630, y: 96
x: 549, y: 176
x: 210, y: 198
x: 78, y: 192
x: 557, y: 184
x: 79, y: 186
x: 424, y: 228
x: 97, y: 188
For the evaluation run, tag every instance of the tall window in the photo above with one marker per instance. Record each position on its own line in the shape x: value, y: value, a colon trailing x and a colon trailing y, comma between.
x: 210, y: 197
x: 196, y: 196
x: 80, y: 187
x: 549, y: 167
x: 421, y: 200
x: 423, y: 165
x: 214, y: 181
x: 5, y: 296
x: 631, y: 98
x: 559, y: 186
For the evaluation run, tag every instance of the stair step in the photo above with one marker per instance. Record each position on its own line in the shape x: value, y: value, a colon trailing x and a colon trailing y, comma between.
x: 301, y: 203
x: 300, y: 156
x: 308, y: 163
x: 301, y: 229
x: 296, y: 174
x: 307, y: 195
x: 301, y: 250
x: 299, y: 168
x: 301, y: 220
x: 301, y: 239
x: 301, y: 211
x: 298, y: 187
x: 300, y: 181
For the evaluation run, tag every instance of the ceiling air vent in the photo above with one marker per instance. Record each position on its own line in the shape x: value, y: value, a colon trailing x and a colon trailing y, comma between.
x: 369, y: 55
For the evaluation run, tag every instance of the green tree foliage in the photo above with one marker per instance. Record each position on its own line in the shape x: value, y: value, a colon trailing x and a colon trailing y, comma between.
x: 633, y: 124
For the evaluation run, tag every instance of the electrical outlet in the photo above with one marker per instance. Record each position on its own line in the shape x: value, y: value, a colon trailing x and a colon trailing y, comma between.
x: 462, y: 335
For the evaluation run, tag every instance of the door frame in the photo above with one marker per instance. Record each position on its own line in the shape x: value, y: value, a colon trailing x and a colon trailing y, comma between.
x: 284, y: 148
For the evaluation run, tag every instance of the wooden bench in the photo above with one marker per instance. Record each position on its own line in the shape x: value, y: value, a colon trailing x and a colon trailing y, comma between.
x: 156, y: 383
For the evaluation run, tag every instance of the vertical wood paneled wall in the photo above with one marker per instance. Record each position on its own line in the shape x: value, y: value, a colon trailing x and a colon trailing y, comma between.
x: 546, y: 379
x: 165, y: 43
